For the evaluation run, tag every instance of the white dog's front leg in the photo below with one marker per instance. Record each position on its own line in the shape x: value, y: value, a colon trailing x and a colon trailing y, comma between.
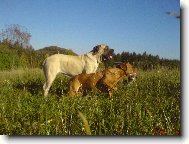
x: 91, y: 69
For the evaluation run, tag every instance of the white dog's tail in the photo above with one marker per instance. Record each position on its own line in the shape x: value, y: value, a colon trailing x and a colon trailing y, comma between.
x: 44, y: 62
x: 44, y: 67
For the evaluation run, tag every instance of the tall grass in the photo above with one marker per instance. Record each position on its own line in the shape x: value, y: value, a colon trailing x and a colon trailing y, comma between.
x: 149, y: 106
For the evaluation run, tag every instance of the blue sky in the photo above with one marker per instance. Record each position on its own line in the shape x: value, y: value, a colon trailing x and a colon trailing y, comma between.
x: 124, y: 25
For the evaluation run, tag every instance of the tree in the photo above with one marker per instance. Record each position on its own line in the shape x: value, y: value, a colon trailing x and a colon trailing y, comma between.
x: 16, y: 34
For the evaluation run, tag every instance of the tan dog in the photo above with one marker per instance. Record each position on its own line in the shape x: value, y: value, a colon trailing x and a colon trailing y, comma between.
x: 86, y: 81
x: 101, y: 81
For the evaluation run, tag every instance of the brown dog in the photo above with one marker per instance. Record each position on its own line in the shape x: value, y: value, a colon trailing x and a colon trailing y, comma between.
x: 105, y: 80
x: 86, y: 81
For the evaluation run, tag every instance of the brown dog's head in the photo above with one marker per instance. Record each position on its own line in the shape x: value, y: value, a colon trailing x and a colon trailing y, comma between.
x: 130, y: 72
x: 127, y: 68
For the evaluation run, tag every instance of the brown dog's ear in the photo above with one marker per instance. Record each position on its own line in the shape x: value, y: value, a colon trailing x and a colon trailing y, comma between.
x: 123, y: 66
x: 135, y: 70
x: 130, y: 68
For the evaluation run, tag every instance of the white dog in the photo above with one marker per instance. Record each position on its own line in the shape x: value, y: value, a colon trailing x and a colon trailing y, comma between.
x: 74, y: 65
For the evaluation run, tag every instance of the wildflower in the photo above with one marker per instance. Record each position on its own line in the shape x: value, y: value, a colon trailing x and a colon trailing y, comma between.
x: 170, y: 131
x: 177, y: 132
x: 161, y: 132
x: 49, y: 121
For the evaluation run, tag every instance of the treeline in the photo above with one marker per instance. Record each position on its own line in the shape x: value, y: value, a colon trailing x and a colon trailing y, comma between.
x: 144, y: 61
x: 14, y: 56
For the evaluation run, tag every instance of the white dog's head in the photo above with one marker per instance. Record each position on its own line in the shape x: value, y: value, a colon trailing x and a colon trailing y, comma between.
x: 103, y: 51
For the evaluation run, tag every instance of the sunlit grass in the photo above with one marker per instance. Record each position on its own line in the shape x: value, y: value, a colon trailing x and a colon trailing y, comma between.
x: 149, y: 106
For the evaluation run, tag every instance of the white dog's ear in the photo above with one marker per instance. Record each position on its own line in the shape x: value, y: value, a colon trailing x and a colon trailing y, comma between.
x: 95, y: 50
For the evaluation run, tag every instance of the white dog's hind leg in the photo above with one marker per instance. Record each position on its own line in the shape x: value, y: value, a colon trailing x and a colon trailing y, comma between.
x: 45, y: 89
x: 49, y: 80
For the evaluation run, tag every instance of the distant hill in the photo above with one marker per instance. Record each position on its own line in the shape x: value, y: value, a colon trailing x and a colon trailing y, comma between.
x: 50, y: 50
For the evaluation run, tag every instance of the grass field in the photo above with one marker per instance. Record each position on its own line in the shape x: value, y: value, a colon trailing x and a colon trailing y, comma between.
x: 149, y: 106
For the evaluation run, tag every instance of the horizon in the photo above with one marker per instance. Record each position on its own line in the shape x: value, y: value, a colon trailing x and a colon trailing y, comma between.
x: 128, y: 26
x: 115, y: 53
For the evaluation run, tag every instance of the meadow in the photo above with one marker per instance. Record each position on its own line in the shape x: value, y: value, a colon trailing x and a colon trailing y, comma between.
x: 149, y: 106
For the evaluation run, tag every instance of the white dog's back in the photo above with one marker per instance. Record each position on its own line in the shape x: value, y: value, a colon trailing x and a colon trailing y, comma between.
x: 68, y: 65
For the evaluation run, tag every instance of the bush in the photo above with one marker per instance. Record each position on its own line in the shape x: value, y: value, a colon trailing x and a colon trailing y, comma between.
x: 9, y: 59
